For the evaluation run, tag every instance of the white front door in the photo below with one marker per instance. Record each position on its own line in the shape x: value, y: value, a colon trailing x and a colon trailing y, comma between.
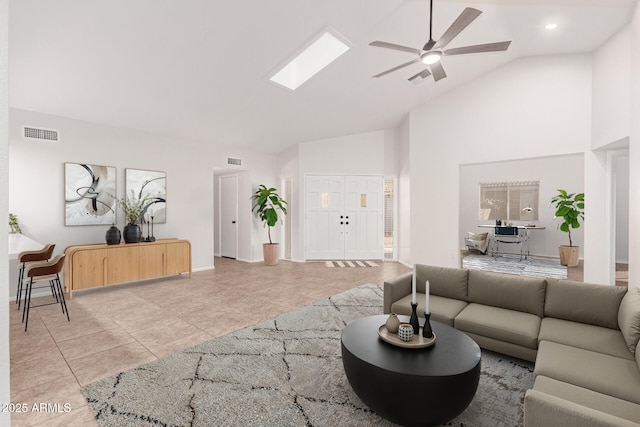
x: 344, y: 217
x: 364, y: 199
x: 228, y: 216
x: 324, y: 231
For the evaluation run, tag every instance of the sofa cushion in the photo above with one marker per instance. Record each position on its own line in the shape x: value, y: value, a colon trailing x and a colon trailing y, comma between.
x: 445, y: 310
x: 443, y: 281
x: 629, y: 318
x: 581, y: 335
x: 506, y: 291
x: 403, y: 305
x: 583, y: 302
x: 500, y: 324
x: 544, y: 410
x: 595, y: 371
x: 588, y: 398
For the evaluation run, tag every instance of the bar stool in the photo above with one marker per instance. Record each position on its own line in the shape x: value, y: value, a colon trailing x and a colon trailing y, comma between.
x: 44, y: 271
x: 31, y: 256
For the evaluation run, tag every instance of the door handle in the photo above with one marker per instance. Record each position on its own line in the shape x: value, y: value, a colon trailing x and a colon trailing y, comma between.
x: 233, y: 222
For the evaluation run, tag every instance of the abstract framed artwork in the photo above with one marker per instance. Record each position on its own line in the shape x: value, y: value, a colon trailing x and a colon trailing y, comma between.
x: 153, y: 186
x: 89, y: 194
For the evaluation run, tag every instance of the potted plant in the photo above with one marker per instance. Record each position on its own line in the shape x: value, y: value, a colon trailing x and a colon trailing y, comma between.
x: 132, y: 208
x: 266, y: 205
x: 14, y: 227
x: 570, y: 208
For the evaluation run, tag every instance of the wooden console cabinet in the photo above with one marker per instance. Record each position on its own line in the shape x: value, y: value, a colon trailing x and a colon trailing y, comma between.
x: 88, y: 266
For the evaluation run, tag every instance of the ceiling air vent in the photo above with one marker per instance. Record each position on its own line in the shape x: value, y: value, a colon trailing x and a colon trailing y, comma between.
x: 50, y: 135
x: 234, y: 161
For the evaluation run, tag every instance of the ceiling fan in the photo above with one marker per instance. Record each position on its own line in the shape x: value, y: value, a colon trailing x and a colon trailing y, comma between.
x: 432, y: 52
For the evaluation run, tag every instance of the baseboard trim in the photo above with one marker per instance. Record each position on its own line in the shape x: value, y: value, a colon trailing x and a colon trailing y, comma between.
x: 209, y: 267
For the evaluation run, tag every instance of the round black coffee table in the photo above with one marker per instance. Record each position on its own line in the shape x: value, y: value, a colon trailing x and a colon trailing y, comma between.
x: 411, y: 387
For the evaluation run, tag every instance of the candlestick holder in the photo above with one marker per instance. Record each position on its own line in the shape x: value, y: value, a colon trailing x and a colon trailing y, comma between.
x: 427, y: 332
x: 147, y: 239
x: 151, y: 238
x: 413, y: 320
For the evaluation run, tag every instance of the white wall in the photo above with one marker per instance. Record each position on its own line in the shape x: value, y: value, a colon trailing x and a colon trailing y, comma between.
x: 634, y: 155
x: 611, y: 95
x: 359, y: 154
x: 5, y: 393
x: 289, y: 166
x: 611, y: 126
x: 36, y: 183
x: 566, y: 172
x: 404, y: 193
x: 531, y: 107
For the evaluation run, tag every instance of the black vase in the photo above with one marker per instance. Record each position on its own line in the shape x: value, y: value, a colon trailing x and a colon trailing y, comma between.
x: 132, y: 233
x: 113, y: 236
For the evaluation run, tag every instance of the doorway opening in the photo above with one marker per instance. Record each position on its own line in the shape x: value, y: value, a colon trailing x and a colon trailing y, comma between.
x: 389, y: 219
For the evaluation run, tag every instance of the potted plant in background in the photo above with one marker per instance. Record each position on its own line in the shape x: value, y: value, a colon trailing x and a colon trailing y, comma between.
x: 132, y: 208
x: 266, y: 205
x: 569, y: 207
x: 14, y: 227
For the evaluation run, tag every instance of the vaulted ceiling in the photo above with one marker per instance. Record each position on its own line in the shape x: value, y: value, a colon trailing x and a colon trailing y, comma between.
x: 198, y: 69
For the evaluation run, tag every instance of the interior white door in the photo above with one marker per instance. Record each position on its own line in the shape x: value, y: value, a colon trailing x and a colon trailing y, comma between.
x: 324, y: 205
x: 364, y: 229
x: 344, y: 217
x: 228, y: 216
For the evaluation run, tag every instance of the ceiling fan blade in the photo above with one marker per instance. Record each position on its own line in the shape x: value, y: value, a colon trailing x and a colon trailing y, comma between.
x: 396, y: 47
x: 391, y: 70
x: 420, y: 76
x: 488, y: 47
x: 438, y: 71
x: 467, y: 16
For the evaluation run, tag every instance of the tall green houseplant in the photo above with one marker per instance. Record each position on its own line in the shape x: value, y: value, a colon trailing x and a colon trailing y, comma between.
x: 569, y: 207
x: 267, y: 203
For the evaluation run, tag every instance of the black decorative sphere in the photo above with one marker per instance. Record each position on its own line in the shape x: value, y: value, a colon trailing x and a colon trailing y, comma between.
x: 113, y: 236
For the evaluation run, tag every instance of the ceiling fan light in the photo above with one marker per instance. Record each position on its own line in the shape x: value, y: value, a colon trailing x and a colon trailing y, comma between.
x: 431, y: 57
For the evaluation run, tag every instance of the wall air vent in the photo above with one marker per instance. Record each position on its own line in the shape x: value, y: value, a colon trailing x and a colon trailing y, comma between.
x: 30, y: 132
x: 234, y: 161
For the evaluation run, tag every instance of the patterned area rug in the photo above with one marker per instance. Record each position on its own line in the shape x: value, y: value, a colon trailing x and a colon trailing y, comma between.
x: 350, y: 264
x: 511, y: 264
x: 286, y: 371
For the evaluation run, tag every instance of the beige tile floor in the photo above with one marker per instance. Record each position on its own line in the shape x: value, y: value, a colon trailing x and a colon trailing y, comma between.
x: 120, y: 327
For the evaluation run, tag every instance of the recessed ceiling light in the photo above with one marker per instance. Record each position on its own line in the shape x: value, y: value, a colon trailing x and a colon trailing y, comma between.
x: 325, y: 49
x: 551, y: 26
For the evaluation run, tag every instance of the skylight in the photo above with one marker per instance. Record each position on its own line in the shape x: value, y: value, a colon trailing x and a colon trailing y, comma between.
x: 323, y: 51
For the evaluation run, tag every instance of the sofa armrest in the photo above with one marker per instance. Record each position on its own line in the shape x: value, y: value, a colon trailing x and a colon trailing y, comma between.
x: 543, y: 410
x: 395, y: 289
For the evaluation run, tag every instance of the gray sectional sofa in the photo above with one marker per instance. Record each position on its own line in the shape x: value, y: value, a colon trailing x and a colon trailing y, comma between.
x: 582, y: 337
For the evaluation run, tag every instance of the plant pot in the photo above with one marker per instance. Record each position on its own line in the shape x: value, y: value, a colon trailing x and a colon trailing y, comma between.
x: 132, y: 233
x: 113, y: 236
x: 569, y: 255
x: 271, y: 253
